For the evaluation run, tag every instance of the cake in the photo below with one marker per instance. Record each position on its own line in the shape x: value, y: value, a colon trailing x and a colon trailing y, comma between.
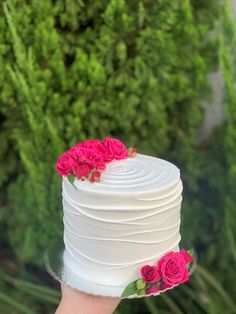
x: 120, y: 222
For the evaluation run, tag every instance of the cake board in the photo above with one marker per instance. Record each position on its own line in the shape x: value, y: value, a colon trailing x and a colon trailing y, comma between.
x: 56, y: 268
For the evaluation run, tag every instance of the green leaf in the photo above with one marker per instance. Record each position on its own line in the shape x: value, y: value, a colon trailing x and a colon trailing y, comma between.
x: 140, y: 284
x: 191, y: 252
x: 71, y: 178
x: 130, y: 289
x: 141, y: 292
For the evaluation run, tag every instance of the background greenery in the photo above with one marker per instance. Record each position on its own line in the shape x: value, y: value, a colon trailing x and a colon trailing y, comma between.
x: 72, y: 70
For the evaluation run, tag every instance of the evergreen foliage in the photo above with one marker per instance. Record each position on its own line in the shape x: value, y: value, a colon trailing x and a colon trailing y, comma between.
x: 77, y: 70
x: 227, y: 59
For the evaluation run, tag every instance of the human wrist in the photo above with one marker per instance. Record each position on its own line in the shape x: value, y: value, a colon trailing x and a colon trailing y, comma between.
x: 76, y: 302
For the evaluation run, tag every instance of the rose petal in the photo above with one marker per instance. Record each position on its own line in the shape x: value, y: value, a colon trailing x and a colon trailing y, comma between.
x: 188, y: 258
x: 164, y: 286
x: 185, y: 276
x: 152, y: 290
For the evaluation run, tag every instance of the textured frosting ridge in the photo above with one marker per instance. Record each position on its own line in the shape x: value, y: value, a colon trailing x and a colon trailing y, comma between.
x: 130, y: 218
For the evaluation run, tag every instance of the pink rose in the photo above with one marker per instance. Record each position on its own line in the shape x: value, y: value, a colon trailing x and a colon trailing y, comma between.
x: 172, y: 268
x: 88, y: 156
x: 65, y: 164
x: 95, y: 145
x: 81, y: 170
x: 150, y: 274
x: 95, y: 176
x: 114, y: 149
x: 73, y: 153
x: 152, y: 290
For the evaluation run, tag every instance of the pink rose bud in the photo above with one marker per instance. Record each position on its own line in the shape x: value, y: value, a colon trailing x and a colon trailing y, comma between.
x: 164, y: 286
x: 152, y: 290
x: 188, y: 258
x: 95, y: 176
x: 132, y: 152
x: 150, y: 274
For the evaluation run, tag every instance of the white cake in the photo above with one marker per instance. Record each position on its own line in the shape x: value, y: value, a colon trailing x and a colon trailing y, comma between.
x: 114, y: 227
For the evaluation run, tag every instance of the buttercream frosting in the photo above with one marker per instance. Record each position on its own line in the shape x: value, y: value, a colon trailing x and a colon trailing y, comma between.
x: 114, y: 227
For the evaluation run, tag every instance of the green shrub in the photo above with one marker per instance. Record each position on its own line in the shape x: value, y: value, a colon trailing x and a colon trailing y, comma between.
x: 227, y: 59
x: 73, y: 71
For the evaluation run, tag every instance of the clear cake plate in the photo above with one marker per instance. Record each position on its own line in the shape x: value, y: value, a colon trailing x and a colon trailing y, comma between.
x: 56, y: 268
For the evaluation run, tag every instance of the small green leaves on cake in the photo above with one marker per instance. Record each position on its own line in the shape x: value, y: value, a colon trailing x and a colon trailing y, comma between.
x: 130, y: 289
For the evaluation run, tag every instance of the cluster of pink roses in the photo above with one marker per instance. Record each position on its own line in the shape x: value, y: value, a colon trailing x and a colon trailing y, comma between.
x: 86, y: 159
x: 171, y: 269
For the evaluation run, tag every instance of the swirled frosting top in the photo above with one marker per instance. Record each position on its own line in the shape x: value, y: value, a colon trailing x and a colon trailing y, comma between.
x: 141, y: 173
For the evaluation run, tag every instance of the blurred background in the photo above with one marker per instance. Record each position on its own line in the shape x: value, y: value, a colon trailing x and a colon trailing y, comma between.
x: 159, y: 75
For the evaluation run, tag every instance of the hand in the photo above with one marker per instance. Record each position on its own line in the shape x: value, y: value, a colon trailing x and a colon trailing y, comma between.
x: 76, y: 302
